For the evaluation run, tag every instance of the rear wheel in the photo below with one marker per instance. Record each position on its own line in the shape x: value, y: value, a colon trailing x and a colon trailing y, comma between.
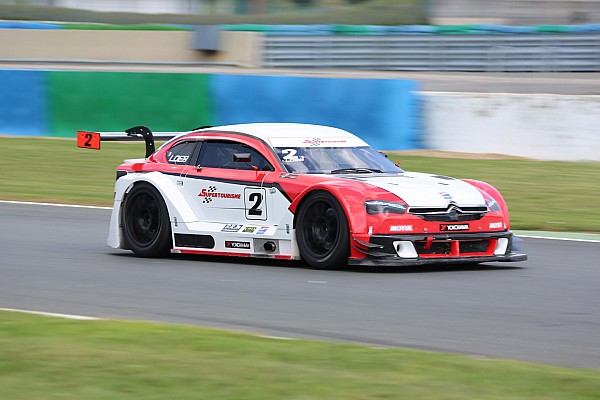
x: 145, y: 219
x: 322, y: 232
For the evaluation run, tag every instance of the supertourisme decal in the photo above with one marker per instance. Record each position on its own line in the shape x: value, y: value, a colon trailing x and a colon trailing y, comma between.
x: 211, y: 193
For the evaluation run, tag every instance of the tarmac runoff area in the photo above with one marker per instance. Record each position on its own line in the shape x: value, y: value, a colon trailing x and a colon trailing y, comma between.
x: 572, y: 236
x: 512, y: 311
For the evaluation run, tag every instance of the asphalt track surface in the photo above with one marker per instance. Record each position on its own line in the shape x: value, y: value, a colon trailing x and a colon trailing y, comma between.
x: 547, y: 310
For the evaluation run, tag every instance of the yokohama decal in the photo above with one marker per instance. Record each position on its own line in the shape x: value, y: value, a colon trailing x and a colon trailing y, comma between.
x: 237, y: 245
x: 454, y: 227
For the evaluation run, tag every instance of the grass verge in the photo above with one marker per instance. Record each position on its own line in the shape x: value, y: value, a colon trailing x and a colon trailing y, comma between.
x: 47, y: 358
x: 555, y: 196
x: 374, y: 12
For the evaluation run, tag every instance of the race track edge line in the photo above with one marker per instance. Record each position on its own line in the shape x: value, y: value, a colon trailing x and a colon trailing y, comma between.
x: 54, y: 204
x: 49, y: 314
x: 559, y: 238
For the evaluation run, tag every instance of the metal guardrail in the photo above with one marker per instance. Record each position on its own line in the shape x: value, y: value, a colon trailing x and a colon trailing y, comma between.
x: 477, y: 53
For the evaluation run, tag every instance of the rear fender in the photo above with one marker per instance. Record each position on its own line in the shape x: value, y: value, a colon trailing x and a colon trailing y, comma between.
x: 179, y: 210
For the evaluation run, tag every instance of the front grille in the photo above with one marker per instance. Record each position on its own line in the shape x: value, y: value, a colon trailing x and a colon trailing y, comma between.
x: 452, y: 213
x: 474, y: 246
x: 454, y: 248
x: 437, y: 246
x: 434, y: 248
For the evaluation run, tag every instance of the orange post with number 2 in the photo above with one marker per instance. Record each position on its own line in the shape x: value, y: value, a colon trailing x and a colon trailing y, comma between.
x: 88, y: 140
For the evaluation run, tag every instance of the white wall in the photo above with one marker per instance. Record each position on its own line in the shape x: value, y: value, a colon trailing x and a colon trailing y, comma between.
x: 539, y: 126
x: 146, y: 6
x: 514, y: 12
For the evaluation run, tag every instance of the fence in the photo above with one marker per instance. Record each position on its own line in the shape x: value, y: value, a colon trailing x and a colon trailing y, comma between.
x: 477, y: 53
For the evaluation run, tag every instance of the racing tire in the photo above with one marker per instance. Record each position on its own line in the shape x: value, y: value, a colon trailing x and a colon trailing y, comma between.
x: 322, y: 232
x: 145, y: 222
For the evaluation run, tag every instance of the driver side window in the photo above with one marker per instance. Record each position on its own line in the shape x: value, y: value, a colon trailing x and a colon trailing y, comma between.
x: 181, y: 153
x: 220, y: 154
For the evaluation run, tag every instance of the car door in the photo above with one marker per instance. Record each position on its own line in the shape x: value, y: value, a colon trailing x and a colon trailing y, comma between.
x: 227, y: 185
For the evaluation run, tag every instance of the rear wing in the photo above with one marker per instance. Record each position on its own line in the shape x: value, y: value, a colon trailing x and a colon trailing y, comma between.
x: 91, y: 140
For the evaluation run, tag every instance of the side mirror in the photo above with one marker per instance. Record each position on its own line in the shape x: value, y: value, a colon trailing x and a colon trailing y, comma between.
x: 241, y: 157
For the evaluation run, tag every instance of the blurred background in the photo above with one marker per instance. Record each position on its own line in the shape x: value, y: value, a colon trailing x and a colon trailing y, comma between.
x: 453, y: 75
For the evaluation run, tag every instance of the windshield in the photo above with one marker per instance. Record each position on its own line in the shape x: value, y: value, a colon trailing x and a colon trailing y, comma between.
x: 327, y: 160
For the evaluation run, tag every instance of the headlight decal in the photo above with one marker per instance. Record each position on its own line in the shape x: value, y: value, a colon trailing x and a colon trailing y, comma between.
x: 492, y: 205
x: 381, y: 207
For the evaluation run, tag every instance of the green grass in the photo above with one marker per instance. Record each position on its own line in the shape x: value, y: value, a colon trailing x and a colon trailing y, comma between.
x: 49, y: 358
x: 56, y: 171
x: 541, y: 195
x: 373, y: 12
x: 557, y: 196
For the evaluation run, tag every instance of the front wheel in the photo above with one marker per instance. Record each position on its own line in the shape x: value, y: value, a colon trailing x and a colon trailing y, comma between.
x: 145, y: 221
x: 322, y: 232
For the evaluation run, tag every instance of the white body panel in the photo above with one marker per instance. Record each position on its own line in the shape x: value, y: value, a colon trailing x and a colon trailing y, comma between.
x: 424, y: 190
x: 229, y: 212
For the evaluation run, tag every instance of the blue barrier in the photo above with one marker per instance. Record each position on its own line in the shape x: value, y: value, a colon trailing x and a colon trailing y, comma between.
x: 588, y: 28
x: 493, y: 28
x: 317, y: 29
x: 383, y: 112
x: 411, y: 29
x: 299, y: 30
x: 27, y: 25
x: 23, y: 103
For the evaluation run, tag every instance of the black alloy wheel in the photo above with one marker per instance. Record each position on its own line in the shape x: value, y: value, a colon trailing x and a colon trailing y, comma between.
x: 145, y: 221
x: 322, y: 232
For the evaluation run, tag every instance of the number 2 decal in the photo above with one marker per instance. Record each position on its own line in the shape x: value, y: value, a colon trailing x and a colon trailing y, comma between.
x: 255, y: 204
x: 255, y: 209
x: 88, y: 140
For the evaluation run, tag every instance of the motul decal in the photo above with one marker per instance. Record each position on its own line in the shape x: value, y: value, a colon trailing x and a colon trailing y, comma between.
x: 211, y: 193
x: 496, y: 225
x: 454, y: 227
x: 401, y: 228
x: 237, y: 245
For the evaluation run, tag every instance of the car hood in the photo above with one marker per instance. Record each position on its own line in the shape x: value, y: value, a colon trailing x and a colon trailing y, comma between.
x: 425, y: 190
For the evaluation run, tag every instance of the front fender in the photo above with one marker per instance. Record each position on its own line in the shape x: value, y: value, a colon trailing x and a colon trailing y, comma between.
x: 493, y: 193
x: 351, y: 196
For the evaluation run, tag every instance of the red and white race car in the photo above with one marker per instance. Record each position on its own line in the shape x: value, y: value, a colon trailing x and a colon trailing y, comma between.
x: 296, y: 191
